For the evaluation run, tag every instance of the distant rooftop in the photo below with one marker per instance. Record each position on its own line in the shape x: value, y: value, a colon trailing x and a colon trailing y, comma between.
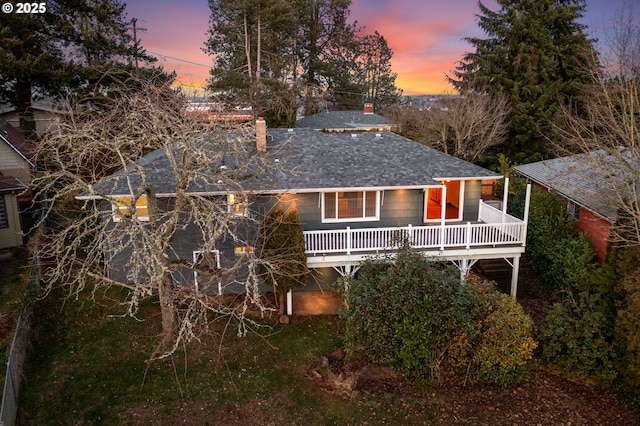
x: 586, y: 179
x: 364, y: 119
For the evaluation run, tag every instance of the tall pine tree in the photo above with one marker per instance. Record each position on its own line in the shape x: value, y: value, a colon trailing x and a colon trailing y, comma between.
x: 76, y: 45
x: 532, y: 54
x: 268, y: 54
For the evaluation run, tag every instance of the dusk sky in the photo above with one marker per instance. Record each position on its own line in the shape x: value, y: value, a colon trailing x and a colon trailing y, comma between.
x: 425, y: 35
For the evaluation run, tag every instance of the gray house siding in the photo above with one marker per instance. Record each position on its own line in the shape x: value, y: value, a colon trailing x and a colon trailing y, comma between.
x: 399, y: 207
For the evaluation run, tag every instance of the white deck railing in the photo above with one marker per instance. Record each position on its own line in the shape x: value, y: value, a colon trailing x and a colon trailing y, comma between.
x: 497, y: 229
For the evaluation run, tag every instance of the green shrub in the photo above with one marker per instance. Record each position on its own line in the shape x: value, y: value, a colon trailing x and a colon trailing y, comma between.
x: 576, y: 335
x: 504, y: 345
x: 414, y: 315
x: 628, y: 332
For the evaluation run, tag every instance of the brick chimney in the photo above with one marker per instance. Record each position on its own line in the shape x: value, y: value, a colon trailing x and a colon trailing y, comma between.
x: 368, y: 108
x: 261, y: 135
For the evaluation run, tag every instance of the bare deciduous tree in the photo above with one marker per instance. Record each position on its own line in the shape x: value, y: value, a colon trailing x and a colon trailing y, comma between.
x: 606, y: 127
x: 465, y: 127
x: 131, y: 203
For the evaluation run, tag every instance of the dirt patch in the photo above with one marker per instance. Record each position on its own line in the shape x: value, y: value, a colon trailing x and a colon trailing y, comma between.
x: 546, y: 398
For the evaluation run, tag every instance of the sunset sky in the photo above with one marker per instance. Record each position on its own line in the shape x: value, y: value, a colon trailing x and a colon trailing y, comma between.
x: 425, y: 35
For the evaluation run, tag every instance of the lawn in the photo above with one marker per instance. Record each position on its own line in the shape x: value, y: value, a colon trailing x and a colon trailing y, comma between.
x: 90, y: 366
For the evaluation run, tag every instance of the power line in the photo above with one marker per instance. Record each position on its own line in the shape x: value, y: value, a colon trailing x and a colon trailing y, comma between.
x: 178, y: 59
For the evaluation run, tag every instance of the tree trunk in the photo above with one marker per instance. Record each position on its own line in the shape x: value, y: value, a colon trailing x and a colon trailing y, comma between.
x: 167, y: 309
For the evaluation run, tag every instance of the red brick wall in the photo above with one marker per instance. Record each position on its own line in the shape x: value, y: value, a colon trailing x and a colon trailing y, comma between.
x: 598, y: 230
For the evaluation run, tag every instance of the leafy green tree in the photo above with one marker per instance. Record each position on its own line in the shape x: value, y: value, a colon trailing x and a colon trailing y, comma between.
x: 533, y: 53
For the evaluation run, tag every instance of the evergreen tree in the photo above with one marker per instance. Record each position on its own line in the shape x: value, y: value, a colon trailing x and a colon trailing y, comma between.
x: 375, y: 71
x: 282, y: 250
x: 327, y: 50
x: 251, y: 42
x: 532, y: 54
x: 270, y: 53
x: 70, y: 48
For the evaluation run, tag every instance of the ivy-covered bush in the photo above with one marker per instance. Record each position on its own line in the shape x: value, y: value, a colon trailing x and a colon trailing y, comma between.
x: 282, y: 250
x: 504, y: 345
x: 414, y: 315
x: 577, y: 335
x: 628, y: 332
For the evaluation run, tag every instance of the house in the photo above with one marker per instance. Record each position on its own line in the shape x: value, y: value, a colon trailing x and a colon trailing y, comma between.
x: 17, y: 160
x: 357, y: 194
x: 44, y: 114
x: 587, y: 182
x: 10, y: 223
x: 346, y: 121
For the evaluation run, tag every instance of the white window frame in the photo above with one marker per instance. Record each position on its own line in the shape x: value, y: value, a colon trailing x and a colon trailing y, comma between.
x: 460, y: 201
x: 196, y: 253
x: 350, y: 219
x: 125, y: 207
x: 243, y: 201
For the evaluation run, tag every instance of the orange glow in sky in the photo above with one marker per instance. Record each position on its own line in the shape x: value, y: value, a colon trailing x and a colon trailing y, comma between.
x: 426, y: 36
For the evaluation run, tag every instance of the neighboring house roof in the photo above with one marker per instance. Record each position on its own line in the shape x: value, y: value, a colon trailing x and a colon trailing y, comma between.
x: 17, y: 142
x: 46, y: 105
x: 10, y: 184
x: 343, y: 120
x: 588, y: 180
x: 305, y: 160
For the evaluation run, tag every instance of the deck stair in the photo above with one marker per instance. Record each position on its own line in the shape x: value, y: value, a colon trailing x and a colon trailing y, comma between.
x: 491, y: 267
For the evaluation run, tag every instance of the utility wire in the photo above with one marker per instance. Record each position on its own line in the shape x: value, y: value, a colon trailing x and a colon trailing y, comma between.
x: 178, y: 59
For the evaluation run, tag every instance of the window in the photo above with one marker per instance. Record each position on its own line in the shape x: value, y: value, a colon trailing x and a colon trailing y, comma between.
x: 488, y: 189
x: 239, y: 251
x: 4, y: 219
x: 573, y: 209
x: 452, y: 206
x: 237, y: 204
x: 351, y: 206
x: 206, y: 269
x: 122, y: 208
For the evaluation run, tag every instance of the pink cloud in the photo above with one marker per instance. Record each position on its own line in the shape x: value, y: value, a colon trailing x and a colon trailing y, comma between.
x: 425, y: 35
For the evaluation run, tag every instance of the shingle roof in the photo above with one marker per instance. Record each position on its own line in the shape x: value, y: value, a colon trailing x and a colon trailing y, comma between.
x: 308, y: 161
x: 10, y: 184
x: 586, y: 179
x: 342, y: 120
x: 17, y: 142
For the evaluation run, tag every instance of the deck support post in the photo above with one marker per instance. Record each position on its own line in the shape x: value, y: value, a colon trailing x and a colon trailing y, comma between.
x: 289, y: 303
x: 514, y: 277
x: 464, y: 266
x: 464, y: 269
